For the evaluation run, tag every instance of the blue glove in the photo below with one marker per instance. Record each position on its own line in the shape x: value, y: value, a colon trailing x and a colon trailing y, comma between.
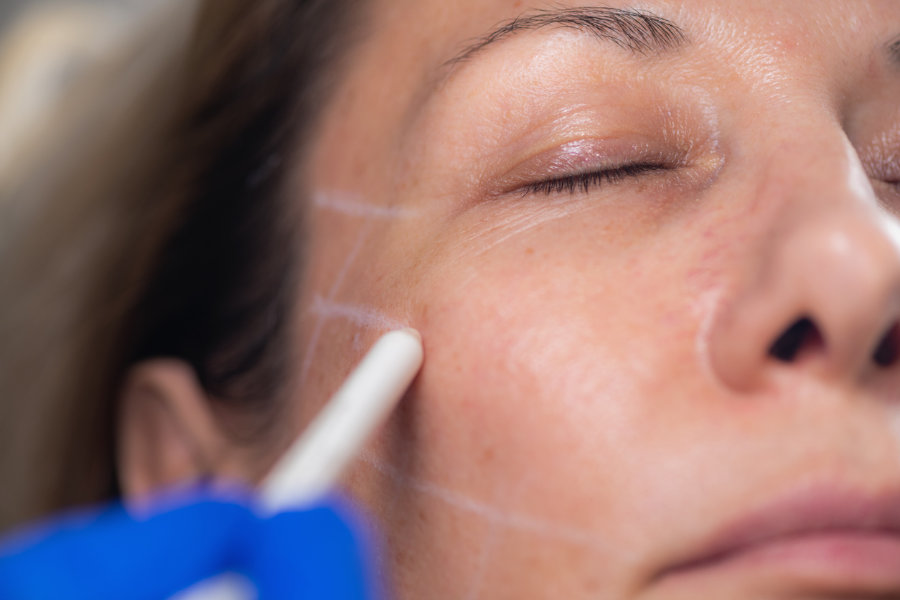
x: 318, y: 553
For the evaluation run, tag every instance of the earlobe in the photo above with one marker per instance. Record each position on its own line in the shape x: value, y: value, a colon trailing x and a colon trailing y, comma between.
x: 166, y: 432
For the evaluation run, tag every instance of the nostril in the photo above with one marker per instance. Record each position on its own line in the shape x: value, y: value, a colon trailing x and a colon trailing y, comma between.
x: 802, y: 335
x: 888, y: 349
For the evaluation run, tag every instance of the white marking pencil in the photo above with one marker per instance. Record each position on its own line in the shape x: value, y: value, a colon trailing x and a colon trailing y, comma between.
x: 312, y: 466
x: 315, y: 462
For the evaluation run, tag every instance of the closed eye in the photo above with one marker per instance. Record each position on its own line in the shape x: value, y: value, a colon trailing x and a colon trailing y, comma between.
x: 586, y: 182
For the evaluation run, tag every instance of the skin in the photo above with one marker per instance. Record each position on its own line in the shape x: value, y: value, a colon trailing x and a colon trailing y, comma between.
x: 598, y: 396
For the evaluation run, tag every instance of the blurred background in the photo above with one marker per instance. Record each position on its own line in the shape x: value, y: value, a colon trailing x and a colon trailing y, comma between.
x: 46, y: 46
x: 9, y: 9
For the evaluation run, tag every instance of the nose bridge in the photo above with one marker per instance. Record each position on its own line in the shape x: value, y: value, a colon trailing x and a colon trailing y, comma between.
x: 826, y: 232
x: 816, y: 166
x: 825, y: 278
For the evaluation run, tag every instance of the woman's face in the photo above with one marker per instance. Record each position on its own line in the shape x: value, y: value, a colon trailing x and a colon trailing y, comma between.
x: 655, y: 267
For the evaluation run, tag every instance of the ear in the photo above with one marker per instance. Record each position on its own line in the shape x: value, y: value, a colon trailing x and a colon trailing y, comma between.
x: 166, y: 430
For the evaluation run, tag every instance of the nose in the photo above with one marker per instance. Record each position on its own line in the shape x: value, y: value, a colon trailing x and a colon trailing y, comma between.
x: 820, y: 290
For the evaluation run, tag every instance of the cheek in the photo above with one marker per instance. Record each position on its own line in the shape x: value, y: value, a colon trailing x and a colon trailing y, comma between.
x: 561, y: 378
x: 546, y: 380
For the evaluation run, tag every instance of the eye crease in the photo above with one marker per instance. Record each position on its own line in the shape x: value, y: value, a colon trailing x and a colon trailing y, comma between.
x: 586, y: 182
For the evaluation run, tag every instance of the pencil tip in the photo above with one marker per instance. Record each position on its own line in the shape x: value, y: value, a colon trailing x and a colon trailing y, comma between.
x: 413, y: 333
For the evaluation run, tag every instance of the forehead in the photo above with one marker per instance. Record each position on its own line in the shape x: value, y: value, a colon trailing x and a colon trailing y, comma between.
x: 410, y: 46
x: 436, y: 28
x: 411, y: 41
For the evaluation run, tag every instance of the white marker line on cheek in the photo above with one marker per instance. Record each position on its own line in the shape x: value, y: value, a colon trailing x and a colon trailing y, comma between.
x: 484, y: 559
x: 520, y: 522
x: 364, y: 316
x: 894, y: 424
x: 709, y: 306
x: 332, y: 292
x: 352, y: 205
x: 522, y: 223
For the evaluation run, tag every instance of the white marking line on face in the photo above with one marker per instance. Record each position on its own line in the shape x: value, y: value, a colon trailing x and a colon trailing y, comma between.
x: 894, y: 424
x: 484, y: 559
x: 521, y: 223
x: 708, y: 306
x: 520, y: 522
x: 353, y: 205
x: 308, y: 357
x: 364, y: 316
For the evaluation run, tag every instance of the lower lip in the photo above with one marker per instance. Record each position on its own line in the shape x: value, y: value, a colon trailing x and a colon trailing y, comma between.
x: 840, y: 558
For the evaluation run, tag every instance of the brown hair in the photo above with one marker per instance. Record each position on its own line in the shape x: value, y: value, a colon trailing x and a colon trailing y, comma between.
x: 187, y: 246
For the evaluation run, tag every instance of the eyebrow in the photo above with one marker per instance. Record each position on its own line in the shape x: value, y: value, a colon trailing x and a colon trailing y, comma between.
x: 638, y: 31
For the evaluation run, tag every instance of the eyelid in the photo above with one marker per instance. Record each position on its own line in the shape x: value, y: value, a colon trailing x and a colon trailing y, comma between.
x: 586, y: 182
x: 585, y: 156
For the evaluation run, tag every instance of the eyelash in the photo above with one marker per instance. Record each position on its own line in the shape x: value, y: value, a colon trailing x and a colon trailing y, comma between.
x: 585, y: 182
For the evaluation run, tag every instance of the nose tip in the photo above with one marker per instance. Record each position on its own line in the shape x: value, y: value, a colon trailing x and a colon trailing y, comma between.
x: 824, y: 300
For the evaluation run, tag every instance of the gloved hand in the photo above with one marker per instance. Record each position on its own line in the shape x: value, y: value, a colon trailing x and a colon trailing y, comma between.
x: 320, y: 552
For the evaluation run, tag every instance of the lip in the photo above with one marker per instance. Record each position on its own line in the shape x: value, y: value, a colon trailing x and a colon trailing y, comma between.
x: 824, y: 535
